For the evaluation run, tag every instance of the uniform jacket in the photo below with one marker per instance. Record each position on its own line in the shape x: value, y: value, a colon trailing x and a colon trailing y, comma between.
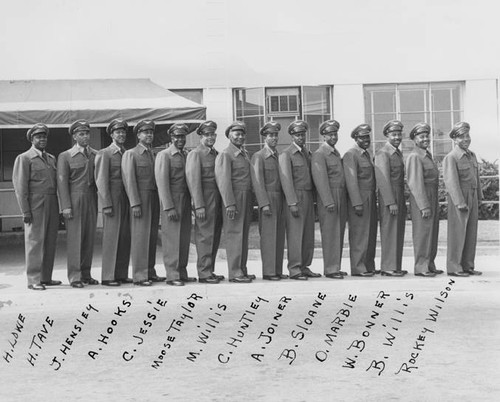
x: 138, y: 173
x: 75, y: 174
x: 170, y: 173
x: 295, y: 172
x: 389, y: 173
x: 108, y: 175
x: 327, y: 172
x: 265, y: 175
x: 33, y: 175
x: 422, y: 172
x: 200, y: 173
x: 232, y: 173
x: 359, y: 174
x: 461, y: 173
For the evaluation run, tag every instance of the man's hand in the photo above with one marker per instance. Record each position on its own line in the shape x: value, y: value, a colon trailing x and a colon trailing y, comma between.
x: 67, y: 213
x: 358, y: 210
x: 463, y: 207
x: 108, y: 211
x: 331, y: 208
x: 28, y: 218
x: 172, y: 215
x: 231, y: 211
x: 393, y: 209
x: 137, y: 211
x: 294, y: 210
x: 200, y: 214
x: 426, y: 213
x: 267, y: 210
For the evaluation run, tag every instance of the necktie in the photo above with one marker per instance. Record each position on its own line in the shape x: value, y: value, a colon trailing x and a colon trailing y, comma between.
x: 86, y: 152
x: 44, y: 156
x: 428, y: 155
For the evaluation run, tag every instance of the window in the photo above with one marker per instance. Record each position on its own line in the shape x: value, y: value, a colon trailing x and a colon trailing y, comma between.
x: 255, y: 106
x: 438, y: 104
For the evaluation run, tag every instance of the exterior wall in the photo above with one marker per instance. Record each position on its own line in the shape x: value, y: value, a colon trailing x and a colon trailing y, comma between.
x: 348, y: 110
x: 481, y: 111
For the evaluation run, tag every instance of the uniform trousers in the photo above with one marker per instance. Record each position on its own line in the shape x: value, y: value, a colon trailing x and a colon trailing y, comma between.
x: 175, y: 237
x: 392, y: 233
x: 425, y: 231
x: 300, y: 233
x: 80, y: 232
x: 40, y: 237
x: 363, y: 234
x: 462, y: 233
x: 207, y: 234
x: 332, y: 226
x: 236, y: 232
x: 144, y: 233
x: 272, y: 235
x: 116, y: 240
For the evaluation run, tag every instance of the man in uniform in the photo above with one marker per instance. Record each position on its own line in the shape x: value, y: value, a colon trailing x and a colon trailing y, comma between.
x: 115, y: 207
x: 232, y: 173
x: 297, y: 184
x: 423, y: 182
x: 361, y: 204
x: 78, y: 196
x: 175, y: 206
x: 328, y: 177
x: 267, y: 186
x: 139, y: 180
x: 34, y: 180
x: 390, y: 176
x: 207, y: 204
x: 461, y: 178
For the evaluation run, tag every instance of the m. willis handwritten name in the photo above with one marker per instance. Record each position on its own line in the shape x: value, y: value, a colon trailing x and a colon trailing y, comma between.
x: 351, y: 331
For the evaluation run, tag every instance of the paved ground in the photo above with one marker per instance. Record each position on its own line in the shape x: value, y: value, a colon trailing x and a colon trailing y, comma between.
x: 228, y: 342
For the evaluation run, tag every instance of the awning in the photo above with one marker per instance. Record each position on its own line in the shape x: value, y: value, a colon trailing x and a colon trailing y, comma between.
x: 58, y: 103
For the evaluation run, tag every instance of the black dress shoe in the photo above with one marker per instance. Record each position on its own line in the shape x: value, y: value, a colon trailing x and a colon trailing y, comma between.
x: 157, y: 279
x: 241, y: 279
x: 426, y: 274
x: 210, y: 280
x: 51, y: 283
x: 391, y: 273
x: 299, y: 277
x: 460, y: 274
x: 343, y: 273
x: 283, y: 276
x: 271, y: 278
x: 110, y: 283
x: 143, y: 283
x: 251, y: 277
x: 364, y: 274
x: 36, y: 286
x: 90, y: 281
x: 473, y: 272
x: 77, y: 284
x: 310, y: 274
x: 436, y: 271
x: 335, y: 275
x: 189, y: 279
x: 219, y: 277
x: 376, y: 272
x: 175, y: 282
x: 403, y: 271
x: 125, y: 280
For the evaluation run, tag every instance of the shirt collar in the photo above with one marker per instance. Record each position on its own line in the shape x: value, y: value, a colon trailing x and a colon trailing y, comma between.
x: 392, y: 148
x: 236, y: 151
x: 143, y: 148
x: 269, y: 152
x: 328, y: 148
x: 297, y: 147
x: 115, y: 148
x: 36, y: 151
x: 174, y: 150
x: 77, y: 149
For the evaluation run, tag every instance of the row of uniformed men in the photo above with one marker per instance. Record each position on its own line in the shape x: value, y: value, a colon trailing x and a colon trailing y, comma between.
x: 218, y: 187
